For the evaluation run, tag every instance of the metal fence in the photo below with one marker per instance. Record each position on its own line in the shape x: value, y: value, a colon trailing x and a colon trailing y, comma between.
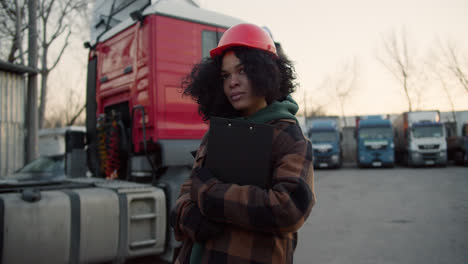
x: 12, y: 117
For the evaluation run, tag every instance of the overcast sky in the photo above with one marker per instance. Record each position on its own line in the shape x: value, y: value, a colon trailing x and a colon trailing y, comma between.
x: 323, y: 36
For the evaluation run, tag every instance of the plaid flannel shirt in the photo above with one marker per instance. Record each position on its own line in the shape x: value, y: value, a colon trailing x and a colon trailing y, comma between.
x: 260, y: 225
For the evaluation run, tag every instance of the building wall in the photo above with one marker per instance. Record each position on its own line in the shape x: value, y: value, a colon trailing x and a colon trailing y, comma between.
x: 12, y: 121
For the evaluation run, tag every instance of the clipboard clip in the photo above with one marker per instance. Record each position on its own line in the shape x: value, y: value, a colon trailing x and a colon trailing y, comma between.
x: 229, y: 124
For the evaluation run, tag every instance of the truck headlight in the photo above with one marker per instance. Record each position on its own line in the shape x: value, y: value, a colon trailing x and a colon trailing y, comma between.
x: 334, y: 158
x: 415, y: 154
x: 443, y: 153
x: 392, y: 145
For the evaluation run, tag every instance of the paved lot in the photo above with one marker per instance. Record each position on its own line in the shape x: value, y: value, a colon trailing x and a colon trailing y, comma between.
x: 397, y: 215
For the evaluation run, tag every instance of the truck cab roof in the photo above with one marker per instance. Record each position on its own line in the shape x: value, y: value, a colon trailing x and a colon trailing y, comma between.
x: 322, y: 129
x: 426, y: 124
x: 324, y: 123
x: 375, y: 123
x: 176, y: 9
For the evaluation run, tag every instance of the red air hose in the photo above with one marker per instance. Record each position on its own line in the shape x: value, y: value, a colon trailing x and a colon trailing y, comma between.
x: 113, y: 161
x: 102, y: 149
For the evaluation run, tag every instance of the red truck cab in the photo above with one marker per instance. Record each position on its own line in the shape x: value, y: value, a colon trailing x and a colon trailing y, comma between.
x: 135, y: 73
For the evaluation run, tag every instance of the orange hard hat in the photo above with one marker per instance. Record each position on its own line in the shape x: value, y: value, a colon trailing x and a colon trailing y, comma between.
x: 247, y: 35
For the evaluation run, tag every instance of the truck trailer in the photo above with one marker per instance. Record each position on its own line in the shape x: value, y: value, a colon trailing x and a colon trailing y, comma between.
x: 140, y: 132
x: 325, y: 135
x: 420, y: 139
x: 457, y: 138
x: 374, y: 137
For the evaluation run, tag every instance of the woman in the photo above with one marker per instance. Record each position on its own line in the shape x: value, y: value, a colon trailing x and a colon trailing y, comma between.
x: 228, y: 223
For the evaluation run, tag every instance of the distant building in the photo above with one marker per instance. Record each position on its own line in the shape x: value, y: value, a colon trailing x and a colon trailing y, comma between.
x: 12, y: 116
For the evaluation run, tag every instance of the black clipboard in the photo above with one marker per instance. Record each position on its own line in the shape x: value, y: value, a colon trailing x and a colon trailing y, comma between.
x: 239, y: 151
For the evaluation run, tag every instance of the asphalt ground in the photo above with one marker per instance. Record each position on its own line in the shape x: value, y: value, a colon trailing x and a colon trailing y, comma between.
x: 396, y: 215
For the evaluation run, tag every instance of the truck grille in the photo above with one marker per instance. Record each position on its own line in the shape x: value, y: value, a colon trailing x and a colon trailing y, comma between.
x: 321, y: 151
x: 430, y: 146
x: 376, y: 147
x: 322, y: 159
x: 429, y: 156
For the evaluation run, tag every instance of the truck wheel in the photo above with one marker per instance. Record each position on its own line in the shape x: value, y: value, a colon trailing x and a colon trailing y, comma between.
x: 409, y: 162
x: 459, y: 157
x: 340, y: 163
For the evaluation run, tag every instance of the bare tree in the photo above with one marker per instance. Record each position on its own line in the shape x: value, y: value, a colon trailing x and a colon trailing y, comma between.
x: 317, y: 110
x: 447, y: 93
x: 399, y: 61
x: 345, y: 85
x: 339, y: 87
x: 13, y: 25
x: 312, y: 105
x: 57, y: 20
x: 342, y: 85
x: 62, y: 13
x: 68, y: 114
x: 451, y: 59
x: 438, y: 71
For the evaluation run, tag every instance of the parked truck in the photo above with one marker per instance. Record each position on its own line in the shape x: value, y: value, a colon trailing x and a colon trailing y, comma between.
x: 374, y: 137
x: 457, y: 138
x: 420, y: 139
x: 140, y: 133
x: 325, y: 134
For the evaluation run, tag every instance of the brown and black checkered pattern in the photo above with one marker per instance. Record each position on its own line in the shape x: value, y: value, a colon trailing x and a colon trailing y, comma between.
x: 260, y: 226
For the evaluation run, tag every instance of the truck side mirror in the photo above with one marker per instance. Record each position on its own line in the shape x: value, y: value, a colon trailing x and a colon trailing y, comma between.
x: 137, y: 15
x: 464, y: 131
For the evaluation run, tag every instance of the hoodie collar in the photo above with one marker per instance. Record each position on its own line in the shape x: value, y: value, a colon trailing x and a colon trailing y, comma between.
x: 285, y: 109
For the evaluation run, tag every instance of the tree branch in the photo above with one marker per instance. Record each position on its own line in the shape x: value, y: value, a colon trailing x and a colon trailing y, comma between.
x: 61, y: 51
x: 401, y: 59
x: 74, y: 117
x: 60, y: 28
x: 456, y: 69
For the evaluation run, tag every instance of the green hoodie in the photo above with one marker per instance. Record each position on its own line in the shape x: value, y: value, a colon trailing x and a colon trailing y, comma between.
x: 285, y: 109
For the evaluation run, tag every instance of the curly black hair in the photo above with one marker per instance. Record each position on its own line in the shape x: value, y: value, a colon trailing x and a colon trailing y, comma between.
x: 272, y: 77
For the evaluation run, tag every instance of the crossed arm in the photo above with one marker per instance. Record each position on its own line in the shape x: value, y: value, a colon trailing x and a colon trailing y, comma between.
x: 206, y: 204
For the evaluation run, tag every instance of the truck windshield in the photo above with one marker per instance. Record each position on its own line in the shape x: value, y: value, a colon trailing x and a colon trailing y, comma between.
x: 427, y: 131
x: 322, y: 136
x: 375, y: 132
